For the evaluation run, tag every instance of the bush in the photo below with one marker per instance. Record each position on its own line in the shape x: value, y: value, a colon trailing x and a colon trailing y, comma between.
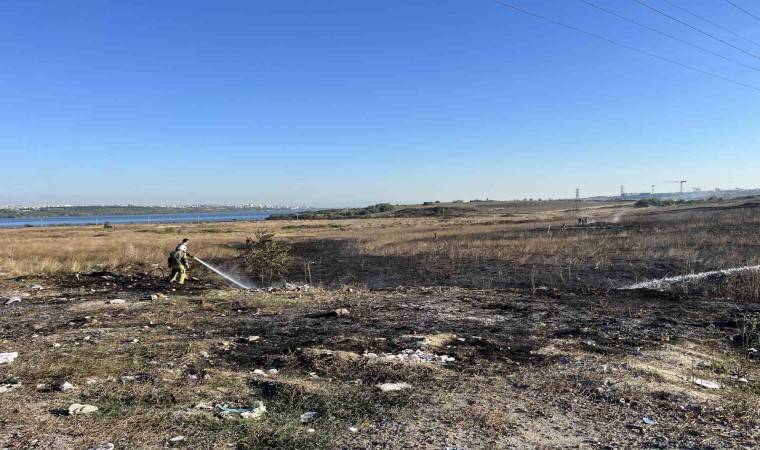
x: 265, y: 258
x: 647, y: 202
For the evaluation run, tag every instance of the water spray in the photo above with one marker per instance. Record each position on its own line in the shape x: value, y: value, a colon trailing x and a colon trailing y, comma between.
x: 226, y: 276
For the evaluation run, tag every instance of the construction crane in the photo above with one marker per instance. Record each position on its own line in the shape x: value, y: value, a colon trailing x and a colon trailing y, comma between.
x: 678, y: 181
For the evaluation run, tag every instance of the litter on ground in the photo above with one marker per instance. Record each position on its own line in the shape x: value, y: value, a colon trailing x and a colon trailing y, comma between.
x: 390, y: 387
x: 8, y: 357
x: 705, y: 383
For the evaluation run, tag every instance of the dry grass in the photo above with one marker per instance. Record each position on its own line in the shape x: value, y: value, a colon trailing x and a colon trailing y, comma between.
x: 496, y: 250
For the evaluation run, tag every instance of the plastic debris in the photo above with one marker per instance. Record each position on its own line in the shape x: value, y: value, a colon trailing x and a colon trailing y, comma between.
x: 253, y: 338
x: 307, y: 416
x: 390, y: 387
x: 259, y: 372
x: 56, y: 345
x: 6, y: 358
x: 410, y: 355
x: 117, y: 301
x: 37, y: 287
x: 108, y: 446
x: 66, y: 386
x: 177, y: 439
x: 353, y: 429
x: 77, y: 408
x: 203, y: 405
x: 8, y: 387
x: 705, y: 383
x: 647, y: 421
x: 310, y: 430
x: 254, y: 412
x: 13, y: 300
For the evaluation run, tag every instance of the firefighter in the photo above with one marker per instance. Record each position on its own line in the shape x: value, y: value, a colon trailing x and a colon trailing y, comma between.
x: 179, y: 263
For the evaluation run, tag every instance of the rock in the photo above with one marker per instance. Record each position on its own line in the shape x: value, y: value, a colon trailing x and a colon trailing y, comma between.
x: 390, y: 387
x: 76, y: 409
x: 56, y: 345
x: 253, y: 338
x: 310, y: 430
x: 13, y: 300
x: 66, y: 386
x: 117, y: 301
x: 353, y: 429
x: 259, y: 372
x: 272, y: 371
x: 108, y: 446
x: 340, y: 312
x: 7, y: 358
x: 307, y: 416
x: 705, y: 383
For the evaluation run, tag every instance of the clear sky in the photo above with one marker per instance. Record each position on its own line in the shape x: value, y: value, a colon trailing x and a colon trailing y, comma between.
x: 340, y: 102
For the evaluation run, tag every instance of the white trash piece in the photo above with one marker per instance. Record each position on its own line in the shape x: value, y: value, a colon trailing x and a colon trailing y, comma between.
x: 66, y: 386
x: 177, y: 439
x: 117, y: 301
x: 108, y: 446
x: 258, y: 411
x: 77, y: 408
x: 8, y: 357
x: 390, y: 387
x: 705, y: 383
x: 13, y: 300
x: 307, y: 416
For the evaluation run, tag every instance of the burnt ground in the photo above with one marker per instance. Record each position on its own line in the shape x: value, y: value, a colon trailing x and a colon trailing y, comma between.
x: 533, y: 368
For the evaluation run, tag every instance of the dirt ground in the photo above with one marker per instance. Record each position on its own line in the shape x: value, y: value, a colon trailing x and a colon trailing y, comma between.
x: 526, y: 366
x: 554, y: 370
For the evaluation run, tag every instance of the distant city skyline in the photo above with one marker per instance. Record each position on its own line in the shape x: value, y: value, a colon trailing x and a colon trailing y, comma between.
x: 753, y: 191
x: 354, y: 103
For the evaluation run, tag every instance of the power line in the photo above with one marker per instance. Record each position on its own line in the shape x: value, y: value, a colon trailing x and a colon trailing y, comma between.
x: 742, y: 9
x: 710, y: 22
x: 695, y: 28
x: 507, y: 5
x: 670, y: 36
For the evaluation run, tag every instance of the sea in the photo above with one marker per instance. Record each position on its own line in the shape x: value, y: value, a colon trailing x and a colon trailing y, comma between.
x: 236, y: 216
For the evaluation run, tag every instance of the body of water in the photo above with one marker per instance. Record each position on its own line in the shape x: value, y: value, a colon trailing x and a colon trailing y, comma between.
x: 142, y: 218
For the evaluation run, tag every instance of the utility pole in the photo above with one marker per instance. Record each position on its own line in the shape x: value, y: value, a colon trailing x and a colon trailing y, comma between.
x: 577, y: 199
x: 622, y: 192
x: 652, y: 189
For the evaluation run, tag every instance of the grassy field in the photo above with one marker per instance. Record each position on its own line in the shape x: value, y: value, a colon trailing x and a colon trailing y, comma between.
x: 547, y: 351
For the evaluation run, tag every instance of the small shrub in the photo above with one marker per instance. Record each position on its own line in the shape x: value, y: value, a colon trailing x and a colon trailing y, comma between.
x: 265, y: 258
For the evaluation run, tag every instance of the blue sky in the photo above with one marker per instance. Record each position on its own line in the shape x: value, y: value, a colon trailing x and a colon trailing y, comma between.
x: 357, y: 102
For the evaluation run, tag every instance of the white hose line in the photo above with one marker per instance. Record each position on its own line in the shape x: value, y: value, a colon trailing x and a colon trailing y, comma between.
x: 662, y: 282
